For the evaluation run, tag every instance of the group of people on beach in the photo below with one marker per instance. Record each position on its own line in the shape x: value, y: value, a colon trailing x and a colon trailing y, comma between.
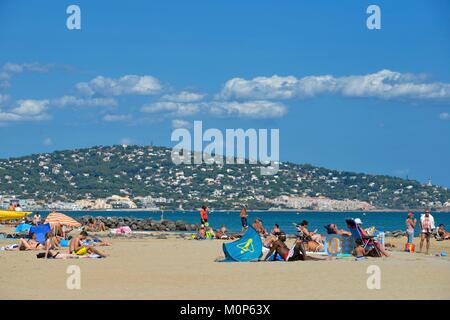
x: 80, y: 246
x: 427, y: 230
x: 365, y: 244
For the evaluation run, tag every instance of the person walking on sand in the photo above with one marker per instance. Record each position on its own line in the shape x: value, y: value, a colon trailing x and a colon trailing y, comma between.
x: 410, y: 226
x: 426, y: 227
x: 204, y: 216
x: 244, y: 215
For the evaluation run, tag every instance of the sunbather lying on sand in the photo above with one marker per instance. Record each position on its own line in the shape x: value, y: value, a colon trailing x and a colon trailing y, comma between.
x: 26, y: 245
x: 222, y: 234
x: 333, y: 229
x: 77, y: 247
x: 444, y: 235
x: 58, y: 255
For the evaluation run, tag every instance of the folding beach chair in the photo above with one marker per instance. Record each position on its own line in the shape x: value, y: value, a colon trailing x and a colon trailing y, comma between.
x: 368, y: 241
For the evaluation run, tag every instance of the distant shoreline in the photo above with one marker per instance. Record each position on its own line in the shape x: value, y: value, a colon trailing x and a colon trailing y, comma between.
x: 237, y: 210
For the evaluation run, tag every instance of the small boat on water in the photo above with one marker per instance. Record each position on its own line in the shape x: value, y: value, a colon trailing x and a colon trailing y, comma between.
x: 13, y: 215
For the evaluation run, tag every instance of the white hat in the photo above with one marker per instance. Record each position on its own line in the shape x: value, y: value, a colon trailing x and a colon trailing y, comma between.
x: 358, y: 221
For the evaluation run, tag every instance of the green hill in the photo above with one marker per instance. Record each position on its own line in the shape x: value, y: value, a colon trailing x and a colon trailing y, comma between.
x: 100, y: 172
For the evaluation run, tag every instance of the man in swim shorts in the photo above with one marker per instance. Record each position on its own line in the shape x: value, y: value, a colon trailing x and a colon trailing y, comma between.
x: 297, y: 252
x: 77, y: 247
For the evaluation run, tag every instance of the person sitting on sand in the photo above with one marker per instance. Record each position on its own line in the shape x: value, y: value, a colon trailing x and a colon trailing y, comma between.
x: 359, y: 252
x: 333, y: 229
x: 100, y: 225
x: 51, y: 243
x: 296, y: 253
x: 201, y: 234
x: 77, y: 247
x: 259, y: 227
x: 30, y: 244
x: 210, y: 234
x: 313, y: 242
x: 444, y: 235
x: 365, y: 235
x: 222, y: 233
x: 276, y: 230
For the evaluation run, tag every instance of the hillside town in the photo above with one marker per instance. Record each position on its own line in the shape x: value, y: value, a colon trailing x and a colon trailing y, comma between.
x: 144, y: 177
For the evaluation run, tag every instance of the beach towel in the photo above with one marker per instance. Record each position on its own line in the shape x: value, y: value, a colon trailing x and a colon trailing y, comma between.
x: 10, y: 247
x: 431, y: 220
x: 23, y: 227
x: 337, y: 245
x: 121, y: 230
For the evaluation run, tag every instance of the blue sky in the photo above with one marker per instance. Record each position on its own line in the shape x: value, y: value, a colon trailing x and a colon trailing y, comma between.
x: 343, y: 96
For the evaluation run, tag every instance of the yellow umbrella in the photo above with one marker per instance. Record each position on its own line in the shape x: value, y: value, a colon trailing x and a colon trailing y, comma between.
x: 62, y: 219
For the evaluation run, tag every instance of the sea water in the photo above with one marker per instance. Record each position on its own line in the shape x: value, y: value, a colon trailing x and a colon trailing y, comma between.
x: 383, y: 221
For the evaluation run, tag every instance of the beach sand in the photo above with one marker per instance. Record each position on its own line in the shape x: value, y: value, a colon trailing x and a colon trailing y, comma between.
x: 175, y: 268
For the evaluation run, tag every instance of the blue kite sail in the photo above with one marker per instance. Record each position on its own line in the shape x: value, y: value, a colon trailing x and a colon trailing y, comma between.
x: 40, y: 231
x: 247, y: 248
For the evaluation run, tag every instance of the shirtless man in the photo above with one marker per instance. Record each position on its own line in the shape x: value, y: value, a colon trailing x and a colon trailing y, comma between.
x: 259, y: 227
x: 296, y: 253
x: 77, y: 247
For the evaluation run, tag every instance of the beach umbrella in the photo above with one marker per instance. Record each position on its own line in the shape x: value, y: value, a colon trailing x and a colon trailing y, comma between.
x: 62, y: 219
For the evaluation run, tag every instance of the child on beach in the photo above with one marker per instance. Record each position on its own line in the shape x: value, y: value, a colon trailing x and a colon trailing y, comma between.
x: 410, y: 226
x: 359, y: 252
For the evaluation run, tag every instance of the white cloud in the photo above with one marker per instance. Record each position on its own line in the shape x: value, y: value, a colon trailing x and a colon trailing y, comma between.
x: 183, y: 96
x: 8, y: 116
x: 9, y: 69
x: 384, y: 84
x: 177, y: 124
x: 117, y: 117
x: 176, y: 109
x: 259, y: 109
x: 126, y: 85
x: 30, y: 107
x: 47, y: 142
x: 444, y: 116
x: 249, y: 109
x: 83, y: 102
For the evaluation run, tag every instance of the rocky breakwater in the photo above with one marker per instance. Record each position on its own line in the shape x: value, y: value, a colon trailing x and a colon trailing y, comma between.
x: 141, y: 224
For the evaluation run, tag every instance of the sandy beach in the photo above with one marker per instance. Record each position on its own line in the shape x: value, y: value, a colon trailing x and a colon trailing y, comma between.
x: 176, y: 268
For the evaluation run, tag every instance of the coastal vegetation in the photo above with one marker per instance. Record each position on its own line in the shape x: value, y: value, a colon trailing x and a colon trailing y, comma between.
x: 147, y: 171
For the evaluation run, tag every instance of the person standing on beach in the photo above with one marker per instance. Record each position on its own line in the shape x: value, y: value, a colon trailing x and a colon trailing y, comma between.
x: 244, y: 215
x: 426, y: 228
x: 410, y: 226
x: 204, y: 216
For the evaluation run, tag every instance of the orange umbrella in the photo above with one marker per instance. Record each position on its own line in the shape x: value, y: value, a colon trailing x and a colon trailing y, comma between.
x: 62, y: 219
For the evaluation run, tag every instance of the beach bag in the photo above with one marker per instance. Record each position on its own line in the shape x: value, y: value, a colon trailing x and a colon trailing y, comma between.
x: 410, y: 247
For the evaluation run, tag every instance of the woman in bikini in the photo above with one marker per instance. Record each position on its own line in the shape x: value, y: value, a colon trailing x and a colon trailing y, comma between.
x: 27, y: 245
x: 51, y: 243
